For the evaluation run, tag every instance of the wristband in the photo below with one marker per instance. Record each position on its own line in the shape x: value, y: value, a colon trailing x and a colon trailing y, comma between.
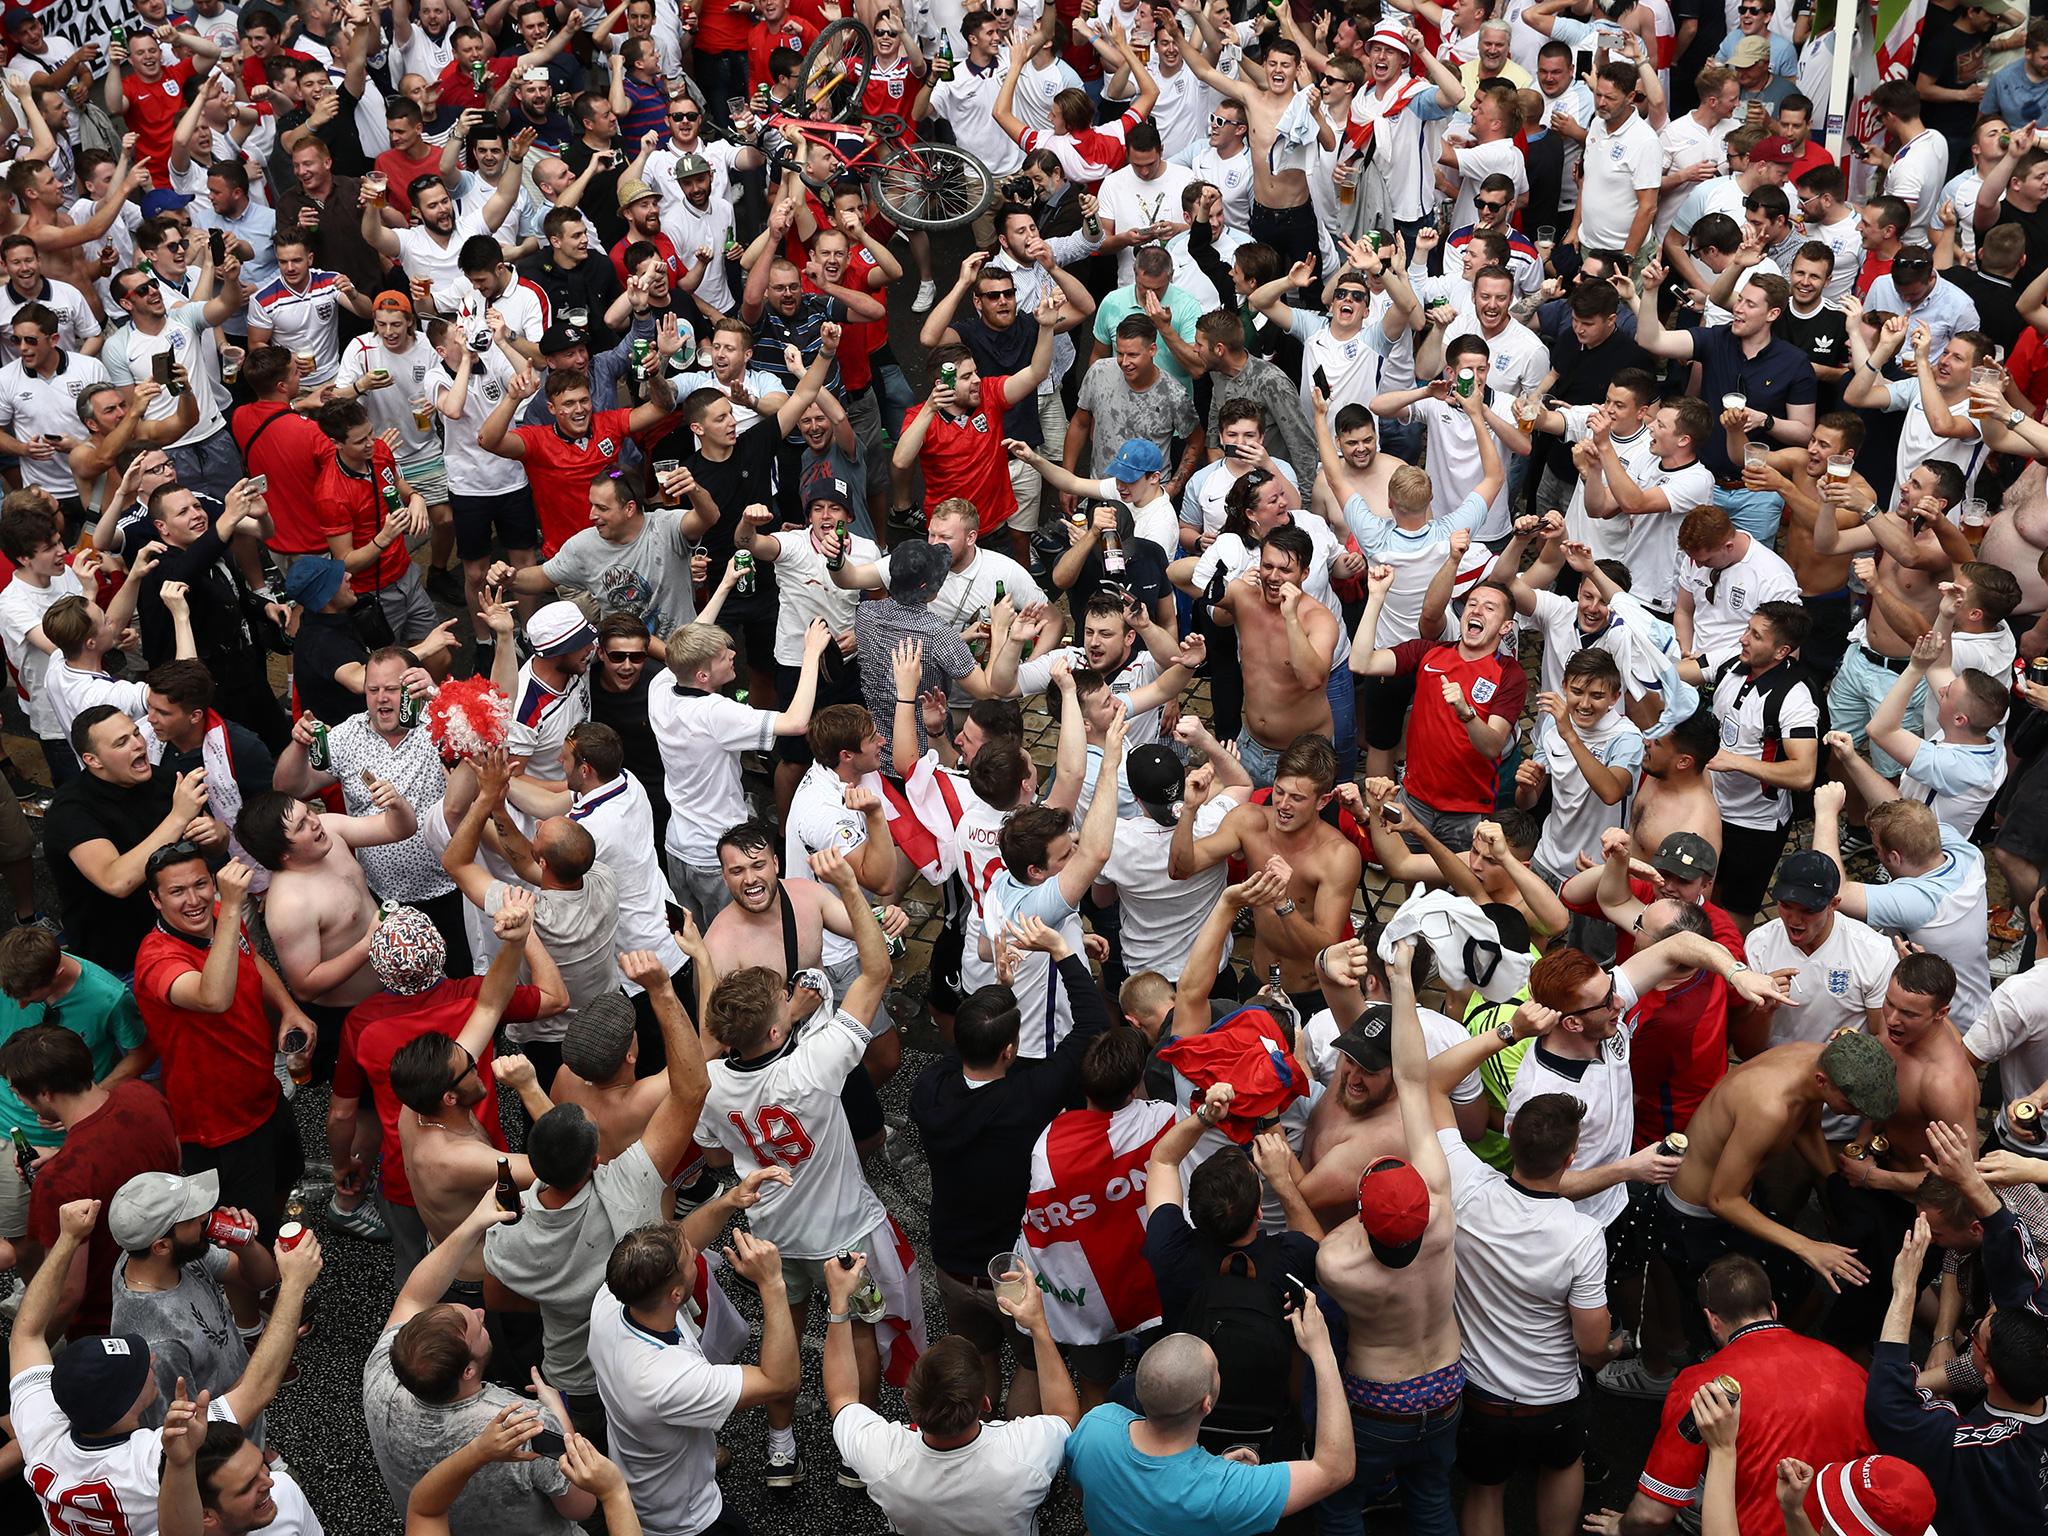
x: 906, y: 701
x: 1284, y: 908
x: 837, y: 1317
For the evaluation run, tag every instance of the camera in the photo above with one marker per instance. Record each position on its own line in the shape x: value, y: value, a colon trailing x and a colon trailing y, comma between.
x: 1019, y: 189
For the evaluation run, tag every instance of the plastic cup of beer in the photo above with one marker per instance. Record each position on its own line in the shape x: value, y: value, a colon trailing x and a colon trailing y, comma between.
x: 580, y: 318
x: 1143, y: 51
x: 1974, y: 515
x: 1984, y: 376
x: 1841, y: 465
x: 1010, y: 1275
x: 1735, y: 400
x: 1346, y: 177
x: 380, y: 186
x: 308, y: 361
x: 422, y: 413
x: 231, y: 363
x: 1755, y: 455
x: 1528, y: 406
x: 1546, y: 238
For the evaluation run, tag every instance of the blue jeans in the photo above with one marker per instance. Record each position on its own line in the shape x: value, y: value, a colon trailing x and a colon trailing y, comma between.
x: 1414, y: 1454
x: 1343, y: 693
x: 720, y: 75
x: 1256, y: 758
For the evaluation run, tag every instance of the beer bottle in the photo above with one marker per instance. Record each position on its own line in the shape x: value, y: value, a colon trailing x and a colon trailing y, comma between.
x: 24, y: 1157
x: 1113, y: 561
x: 508, y: 1192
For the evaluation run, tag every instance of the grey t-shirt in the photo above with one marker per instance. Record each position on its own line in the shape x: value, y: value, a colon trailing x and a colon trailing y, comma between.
x: 556, y: 1259
x: 648, y: 578
x: 852, y: 470
x: 580, y: 930
x: 190, y: 1330
x: 408, y: 1437
x: 1159, y: 415
x: 877, y: 627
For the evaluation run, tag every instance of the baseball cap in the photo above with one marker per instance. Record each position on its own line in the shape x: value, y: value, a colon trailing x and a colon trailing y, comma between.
x: 1991, y: 7
x: 1156, y: 776
x: 1807, y: 879
x: 692, y: 165
x: 562, y: 337
x: 17, y: 17
x: 630, y: 192
x: 1137, y: 458
x: 96, y: 1381
x: 1773, y: 150
x: 1686, y: 855
x: 162, y: 200
x: 1750, y: 50
x: 1871, y: 1496
x: 1859, y: 1065
x: 1370, y: 1039
x: 407, y: 951
x: 1393, y: 1207
x: 313, y: 580
x: 1390, y: 33
x: 150, y: 1204
x: 393, y: 298
x: 595, y: 1045
x: 559, y: 629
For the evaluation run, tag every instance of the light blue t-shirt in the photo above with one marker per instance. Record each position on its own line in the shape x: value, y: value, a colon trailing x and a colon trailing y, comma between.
x: 2015, y: 96
x: 1127, y: 1493
x: 1784, y: 59
x: 1912, y: 902
x: 1123, y: 302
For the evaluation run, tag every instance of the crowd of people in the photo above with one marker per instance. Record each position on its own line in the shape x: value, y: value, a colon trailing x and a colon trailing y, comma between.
x: 1432, y: 646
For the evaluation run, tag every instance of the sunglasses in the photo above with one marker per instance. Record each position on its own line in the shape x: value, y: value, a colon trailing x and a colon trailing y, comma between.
x: 1489, y: 205
x: 887, y: 32
x: 686, y: 117
x: 626, y: 658
x: 1218, y: 120
x: 172, y: 853
x: 1360, y: 295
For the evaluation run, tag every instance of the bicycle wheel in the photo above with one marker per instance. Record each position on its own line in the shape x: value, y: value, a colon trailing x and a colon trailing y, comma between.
x: 833, y: 74
x: 932, y: 186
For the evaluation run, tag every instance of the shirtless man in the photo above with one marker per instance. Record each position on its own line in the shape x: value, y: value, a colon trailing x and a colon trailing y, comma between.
x: 1391, y: 1272
x: 61, y: 242
x: 617, y: 1102
x: 1285, y: 644
x: 450, y: 1159
x: 1281, y: 214
x: 319, y: 910
x: 1289, y: 838
x: 1767, y: 1106
x: 1870, y: 1199
x: 1917, y: 549
x: 749, y: 931
x: 121, y: 457
x: 1494, y: 869
x: 1674, y: 794
x: 1797, y: 475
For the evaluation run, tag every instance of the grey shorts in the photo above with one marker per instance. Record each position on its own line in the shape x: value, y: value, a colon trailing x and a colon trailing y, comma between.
x: 805, y: 1281
x: 430, y: 478
x: 407, y: 606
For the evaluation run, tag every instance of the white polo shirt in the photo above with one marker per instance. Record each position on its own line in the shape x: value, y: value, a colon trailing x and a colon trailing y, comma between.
x: 2014, y: 1033
x: 621, y: 822
x: 991, y: 1486
x: 1604, y: 1086
x: 664, y: 1402
x: 1616, y: 167
x: 1957, y: 779
x: 32, y: 406
x: 1760, y: 576
x: 22, y: 607
x: 75, y: 320
x: 1740, y: 706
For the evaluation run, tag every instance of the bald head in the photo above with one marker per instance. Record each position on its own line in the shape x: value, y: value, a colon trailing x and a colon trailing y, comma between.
x: 565, y: 847
x: 1177, y: 1381
x: 552, y: 174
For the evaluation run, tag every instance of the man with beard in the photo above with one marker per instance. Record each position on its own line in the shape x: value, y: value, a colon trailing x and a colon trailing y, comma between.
x: 781, y: 925
x: 319, y: 907
x: 1796, y: 475
x: 693, y: 218
x: 1110, y: 646
x: 494, y: 287
x: 218, y: 1016
x: 1285, y: 643
x: 188, y: 1296
x: 431, y: 250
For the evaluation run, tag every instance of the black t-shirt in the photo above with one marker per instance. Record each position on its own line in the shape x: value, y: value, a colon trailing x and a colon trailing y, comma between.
x: 601, y: 195
x: 626, y: 713
x: 340, y: 134
x: 252, y: 761
x: 743, y: 478
x: 1824, y: 338
x: 326, y: 643
x: 224, y: 613
x: 998, y: 354
x: 102, y: 928
x: 1144, y: 576
x: 1182, y: 1260
x: 1952, y: 57
x: 2035, y: 225
x: 590, y: 285
x: 1583, y: 374
x: 1997, y: 301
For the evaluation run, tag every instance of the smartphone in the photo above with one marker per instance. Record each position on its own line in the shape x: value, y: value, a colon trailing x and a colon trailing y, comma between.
x: 1233, y: 451
x: 676, y: 917
x: 160, y: 368
x: 217, y: 243
x: 1293, y: 1294
x: 547, y: 1443
x: 1585, y: 61
x: 1322, y: 381
x: 259, y: 485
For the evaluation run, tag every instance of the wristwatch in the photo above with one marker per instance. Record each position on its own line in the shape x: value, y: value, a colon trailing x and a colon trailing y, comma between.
x: 1504, y: 1032
x: 2013, y: 419
x: 1284, y: 908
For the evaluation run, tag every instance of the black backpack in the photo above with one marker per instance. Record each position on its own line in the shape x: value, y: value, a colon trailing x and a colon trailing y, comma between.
x: 1237, y: 1314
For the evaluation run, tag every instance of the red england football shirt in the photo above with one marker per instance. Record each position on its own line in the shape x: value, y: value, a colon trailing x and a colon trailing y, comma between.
x: 963, y: 456
x: 458, y: 86
x: 1445, y: 771
x: 154, y: 107
x: 355, y: 504
x: 560, y: 470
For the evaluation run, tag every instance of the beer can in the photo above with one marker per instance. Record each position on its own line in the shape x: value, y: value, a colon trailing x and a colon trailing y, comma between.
x: 290, y: 1235
x: 410, y: 709
x: 1674, y: 1145
x: 2024, y: 1116
x: 1688, y: 1427
x: 744, y: 564
x: 1879, y: 1145
x: 1467, y: 382
x: 318, y: 754
x: 2037, y: 671
x: 229, y: 1229
x: 949, y: 375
